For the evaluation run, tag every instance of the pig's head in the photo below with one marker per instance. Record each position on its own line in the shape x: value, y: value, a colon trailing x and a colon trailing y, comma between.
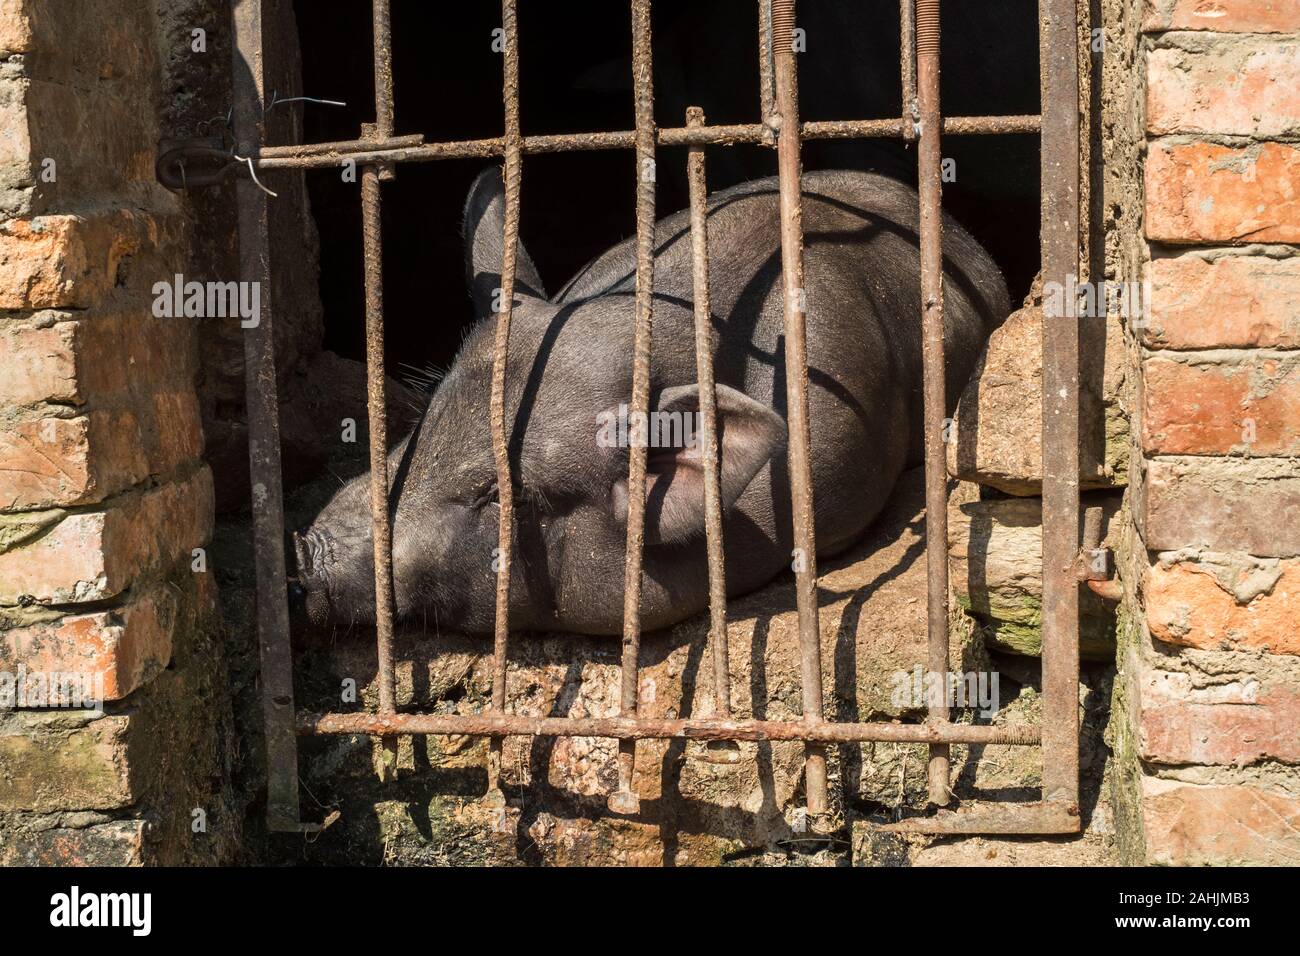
x: 569, y: 371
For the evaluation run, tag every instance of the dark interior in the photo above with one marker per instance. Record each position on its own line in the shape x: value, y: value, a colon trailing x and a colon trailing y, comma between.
x: 575, y: 76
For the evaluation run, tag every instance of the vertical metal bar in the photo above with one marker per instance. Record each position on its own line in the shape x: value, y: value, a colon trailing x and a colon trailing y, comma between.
x: 907, y: 64
x: 789, y: 164
x: 1059, y: 57
x: 708, y: 420
x: 372, y: 242
x: 936, y: 478
x: 500, y: 356
x: 766, y: 79
x: 383, y: 37
x: 625, y: 800
x: 380, y: 519
x: 264, y: 435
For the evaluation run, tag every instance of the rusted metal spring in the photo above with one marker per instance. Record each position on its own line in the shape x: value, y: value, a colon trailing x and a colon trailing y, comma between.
x: 624, y: 799
x: 929, y: 160
x: 790, y: 172
x: 321, y: 155
x: 493, y: 724
x: 501, y: 349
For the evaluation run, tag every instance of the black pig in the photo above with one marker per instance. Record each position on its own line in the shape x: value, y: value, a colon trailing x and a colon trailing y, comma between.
x: 570, y: 370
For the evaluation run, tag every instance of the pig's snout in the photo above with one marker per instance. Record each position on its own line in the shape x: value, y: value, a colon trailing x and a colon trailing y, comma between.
x: 309, y: 590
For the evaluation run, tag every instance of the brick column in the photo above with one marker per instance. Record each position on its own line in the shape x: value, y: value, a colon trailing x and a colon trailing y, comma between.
x: 1206, y: 727
x: 104, y: 494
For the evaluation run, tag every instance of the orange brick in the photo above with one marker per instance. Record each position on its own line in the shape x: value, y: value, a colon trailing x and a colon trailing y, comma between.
x: 124, y: 647
x: 1222, y: 504
x: 1222, y: 725
x: 1232, y: 301
x: 1190, y: 825
x: 101, y: 358
x: 1186, y: 605
x: 1242, y: 91
x: 1251, y: 407
x: 1224, y: 16
x: 72, y: 261
x: 91, y: 556
x: 1202, y: 192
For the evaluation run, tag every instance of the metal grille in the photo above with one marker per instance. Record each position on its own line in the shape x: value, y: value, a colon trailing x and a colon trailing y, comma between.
x: 377, y: 151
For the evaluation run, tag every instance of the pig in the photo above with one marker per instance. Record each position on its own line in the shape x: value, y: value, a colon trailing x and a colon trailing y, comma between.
x: 570, y: 377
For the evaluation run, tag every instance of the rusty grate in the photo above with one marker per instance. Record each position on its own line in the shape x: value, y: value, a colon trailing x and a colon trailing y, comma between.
x: 378, y: 152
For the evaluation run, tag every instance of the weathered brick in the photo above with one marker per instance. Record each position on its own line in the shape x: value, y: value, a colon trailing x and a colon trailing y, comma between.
x: 1212, y: 405
x: 1188, y: 604
x: 49, y: 768
x: 102, y: 358
x: 124, y: 647
x: 1190, y: 825
x: 91, y: 556
x: 53, y: 462
x: 1224, y: 16
x: 15, y: 27
x: 1203, y: 192
x: 73, y: 261
x: 1241, y: 90
x: 119, y: 843
x: 1231, y: 301
x: 40, y: 364
x: 1247, y: 505
x: 1237, y: 724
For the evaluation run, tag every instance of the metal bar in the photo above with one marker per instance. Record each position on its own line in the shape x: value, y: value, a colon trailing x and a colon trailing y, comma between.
x: 789, y: 166
x: 501, y: 351
x: 383, y: 39
x: 1058, y: 45
x: 376, y: 409
x: 282, y: 810
x: 704, y: 341
x: 766, y: 77
x: 625, y: 800
x: 907, y: 67
x: 322, y: 155
x: 932, y: 322
x: 633, y: 728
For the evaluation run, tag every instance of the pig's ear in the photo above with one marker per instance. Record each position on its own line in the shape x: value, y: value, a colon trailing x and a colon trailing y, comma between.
x: 750, y: 435
x: 485, y: 217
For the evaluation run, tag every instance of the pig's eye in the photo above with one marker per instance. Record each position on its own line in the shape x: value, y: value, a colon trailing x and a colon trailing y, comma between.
x: 488, y: 496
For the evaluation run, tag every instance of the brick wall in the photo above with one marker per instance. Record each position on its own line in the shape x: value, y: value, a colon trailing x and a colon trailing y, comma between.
x: 104, y: 494
x: 1209, y: 696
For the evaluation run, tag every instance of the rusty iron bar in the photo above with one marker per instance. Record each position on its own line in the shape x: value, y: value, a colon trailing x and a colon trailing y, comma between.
x: 766, y: 68
x: 380, y: 517
x: 276, y: 657
x: 383, y: 41
x: 907, y: 65
x: 790, y: 175
x: 1058, y: 54
x: 624, y: 800
x: 645, y: 728
x: 322, y: 155
x: 500, y: 355
x: 929, y: 160
x: 708, y: 437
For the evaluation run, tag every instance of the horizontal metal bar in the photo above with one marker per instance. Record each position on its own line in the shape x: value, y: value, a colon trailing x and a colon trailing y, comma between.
x: 493, y: 724
x: 364, y: 151
x: 985, y: 817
